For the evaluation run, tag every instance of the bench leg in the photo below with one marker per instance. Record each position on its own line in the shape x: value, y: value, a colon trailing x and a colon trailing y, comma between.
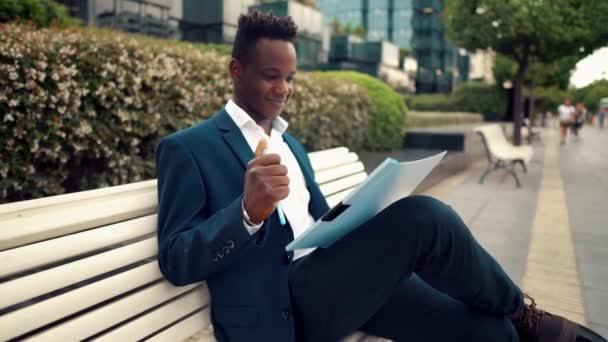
x: 512, y: 172
x: 523, y: 165
x: 510, y: 168
x: 486, y: 172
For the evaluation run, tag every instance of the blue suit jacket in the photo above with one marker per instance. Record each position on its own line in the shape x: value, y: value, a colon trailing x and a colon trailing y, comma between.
x: 201, y: 235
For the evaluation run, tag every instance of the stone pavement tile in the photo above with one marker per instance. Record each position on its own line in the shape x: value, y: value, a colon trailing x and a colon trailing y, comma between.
x: 594, y: 275
x: 593, y: 254
x: 544, y: 270
x: 597, y: 305
x: 517, y: 229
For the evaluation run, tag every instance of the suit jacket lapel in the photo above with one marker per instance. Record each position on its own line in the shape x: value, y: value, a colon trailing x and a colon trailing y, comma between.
x: 234, y: 137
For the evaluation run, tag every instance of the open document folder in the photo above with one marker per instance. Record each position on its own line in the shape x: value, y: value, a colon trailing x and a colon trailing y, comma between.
x: 389, y: 182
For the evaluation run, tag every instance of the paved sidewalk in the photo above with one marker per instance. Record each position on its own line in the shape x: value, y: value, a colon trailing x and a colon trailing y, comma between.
x: 551, y: 236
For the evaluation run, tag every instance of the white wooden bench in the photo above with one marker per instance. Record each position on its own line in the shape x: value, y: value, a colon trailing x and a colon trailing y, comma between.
x: 83, y: 265
x: 501, y: 153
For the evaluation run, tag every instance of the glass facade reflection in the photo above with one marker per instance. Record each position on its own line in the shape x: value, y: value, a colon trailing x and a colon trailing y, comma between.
x: 411, y: 24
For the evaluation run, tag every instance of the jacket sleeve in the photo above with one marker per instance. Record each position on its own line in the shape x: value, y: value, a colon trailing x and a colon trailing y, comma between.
x: 192, y: 247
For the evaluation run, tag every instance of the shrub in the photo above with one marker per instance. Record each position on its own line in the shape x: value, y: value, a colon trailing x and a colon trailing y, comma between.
x: 469, y: 97
x: 388, y: 111
x: 43, y: 13
x: 480, y: 98
x: 84, y: 108
x: 426, y: 119
x: 432, y: 102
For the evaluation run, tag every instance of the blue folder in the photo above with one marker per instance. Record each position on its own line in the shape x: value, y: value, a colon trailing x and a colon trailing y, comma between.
x: 389, y: 182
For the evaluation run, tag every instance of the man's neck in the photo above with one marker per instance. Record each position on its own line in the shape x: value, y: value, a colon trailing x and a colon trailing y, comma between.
x: 265, y: 123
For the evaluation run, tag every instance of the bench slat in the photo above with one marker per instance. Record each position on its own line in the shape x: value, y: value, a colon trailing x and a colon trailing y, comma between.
x: 52, y: 309
x: 159, y: 318
x: 17, y: 209
x: 342, y: 184
x: 335, y: 161
x: 42, y: 253
x: 37, y: 284
x: 109, y: 315
x: 188, y: 329
x: 46, y: 225
x: 339, y: 172
x: 325, y: 154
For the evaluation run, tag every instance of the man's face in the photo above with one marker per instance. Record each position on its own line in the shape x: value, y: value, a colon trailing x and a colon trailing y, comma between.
x: 264, y: 82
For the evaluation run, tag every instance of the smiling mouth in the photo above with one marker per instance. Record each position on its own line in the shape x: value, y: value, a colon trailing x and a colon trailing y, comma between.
x: 277, y: 102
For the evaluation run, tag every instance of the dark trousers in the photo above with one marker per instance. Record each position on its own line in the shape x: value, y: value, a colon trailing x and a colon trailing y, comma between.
x: 412, y: 273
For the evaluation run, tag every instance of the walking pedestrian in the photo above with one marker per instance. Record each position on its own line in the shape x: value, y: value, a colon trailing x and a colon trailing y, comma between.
x: 566, y: 119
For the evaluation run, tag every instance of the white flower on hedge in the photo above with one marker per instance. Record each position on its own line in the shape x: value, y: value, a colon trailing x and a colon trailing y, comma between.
x: 13, y: 76
x: 41, y: 65
x: 13, y: 103
x: 8, y: 117
x: 35, y: 146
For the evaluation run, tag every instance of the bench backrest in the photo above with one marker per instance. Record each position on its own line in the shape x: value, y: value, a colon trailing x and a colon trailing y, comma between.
x: 83, y: 265
x: 493, y: 138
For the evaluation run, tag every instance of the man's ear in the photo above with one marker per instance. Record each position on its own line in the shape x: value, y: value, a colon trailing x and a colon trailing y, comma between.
x: 236, y: 68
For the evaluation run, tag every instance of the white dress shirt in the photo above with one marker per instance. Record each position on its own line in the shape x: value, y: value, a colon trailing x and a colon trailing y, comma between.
x: 295, y: 206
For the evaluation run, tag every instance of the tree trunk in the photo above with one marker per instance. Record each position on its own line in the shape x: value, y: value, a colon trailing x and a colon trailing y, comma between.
x: 531, y: 111
x: 522, y: 67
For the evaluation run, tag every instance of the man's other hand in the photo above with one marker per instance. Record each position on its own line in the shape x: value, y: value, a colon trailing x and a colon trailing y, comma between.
x: 266, y: 183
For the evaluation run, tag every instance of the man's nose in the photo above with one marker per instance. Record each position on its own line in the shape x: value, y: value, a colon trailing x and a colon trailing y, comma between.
x: 283, y: 88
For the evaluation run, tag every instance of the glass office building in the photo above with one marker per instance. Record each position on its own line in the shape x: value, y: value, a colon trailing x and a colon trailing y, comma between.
x: 382, y: 19
x: 411, y: 24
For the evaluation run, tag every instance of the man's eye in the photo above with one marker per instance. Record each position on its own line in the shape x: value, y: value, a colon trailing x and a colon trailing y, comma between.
x: 291, y: 79
x: 270, y: 76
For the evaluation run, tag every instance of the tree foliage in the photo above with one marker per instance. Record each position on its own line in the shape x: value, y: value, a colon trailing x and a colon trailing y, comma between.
x: 42, y: 13
x: 528, y: 31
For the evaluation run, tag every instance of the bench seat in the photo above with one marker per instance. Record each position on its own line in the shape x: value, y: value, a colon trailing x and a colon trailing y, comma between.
x: 83, y: 265
x: 501, y: 153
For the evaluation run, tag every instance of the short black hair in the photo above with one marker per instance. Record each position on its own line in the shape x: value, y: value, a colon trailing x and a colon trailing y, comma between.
x: 256, y: 25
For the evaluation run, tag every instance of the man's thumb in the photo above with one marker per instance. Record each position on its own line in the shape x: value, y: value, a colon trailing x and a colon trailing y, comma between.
x: 262, y: 146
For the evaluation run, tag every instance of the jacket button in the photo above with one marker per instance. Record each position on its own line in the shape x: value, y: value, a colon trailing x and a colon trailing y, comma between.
x: 286, y: 258
x: 286, y: 314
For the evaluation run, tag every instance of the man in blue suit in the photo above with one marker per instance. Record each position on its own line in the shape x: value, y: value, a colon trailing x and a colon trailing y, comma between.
x: 412, y: 273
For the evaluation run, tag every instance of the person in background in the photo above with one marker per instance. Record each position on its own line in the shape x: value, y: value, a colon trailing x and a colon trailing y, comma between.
x: 579, y: 118
x: 566, y: 119
x: 602, y: 116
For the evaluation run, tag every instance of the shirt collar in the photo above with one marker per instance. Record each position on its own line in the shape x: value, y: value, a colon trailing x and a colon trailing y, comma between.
x: 241, y: 118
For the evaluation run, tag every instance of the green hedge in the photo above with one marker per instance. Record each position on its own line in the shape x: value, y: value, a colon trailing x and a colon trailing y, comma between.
x: 42, y: 13
x: 84, y: 108
x: 427, y: 119
x: 388, y: 111
x: 469, y: 97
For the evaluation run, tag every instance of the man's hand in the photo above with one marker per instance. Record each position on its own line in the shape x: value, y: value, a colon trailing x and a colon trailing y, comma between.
x: 266, y: 183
